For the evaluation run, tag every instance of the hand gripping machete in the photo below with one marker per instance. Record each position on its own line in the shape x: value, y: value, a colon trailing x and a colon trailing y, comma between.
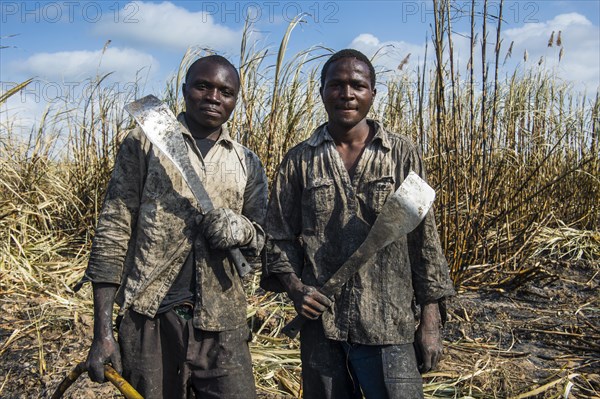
x: 162, y: 129
x: 110, y: 374
x: 401, y: 214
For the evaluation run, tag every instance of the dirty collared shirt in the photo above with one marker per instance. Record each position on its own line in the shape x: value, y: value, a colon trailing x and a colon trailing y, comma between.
x: 148, y: 226
x: 318, y: 216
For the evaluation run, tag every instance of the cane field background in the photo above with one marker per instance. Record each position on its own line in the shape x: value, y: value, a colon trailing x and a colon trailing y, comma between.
x: 514, y: 160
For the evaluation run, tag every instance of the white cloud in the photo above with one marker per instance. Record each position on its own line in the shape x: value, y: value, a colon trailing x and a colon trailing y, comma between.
x: 74, y: 66
x: 387, y: 55
x: 365, y: 40
x: 580, y: 62
x: 168, y: 26
x: 62, y: 78
x: 580, y: 39
x: 544, y: 29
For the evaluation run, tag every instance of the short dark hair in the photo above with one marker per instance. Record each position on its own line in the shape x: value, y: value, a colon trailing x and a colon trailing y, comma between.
x: 216, y: 59
x: 348, y: 53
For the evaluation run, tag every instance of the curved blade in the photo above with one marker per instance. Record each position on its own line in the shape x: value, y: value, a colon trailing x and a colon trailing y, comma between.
x: 402, y: 211
x: 401, y: 214
x: 162, y: 129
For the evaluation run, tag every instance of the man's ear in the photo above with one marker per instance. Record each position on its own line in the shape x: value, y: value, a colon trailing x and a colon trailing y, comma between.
x: 374, y: 94
x: 183, y: 88
x: 321, y: 92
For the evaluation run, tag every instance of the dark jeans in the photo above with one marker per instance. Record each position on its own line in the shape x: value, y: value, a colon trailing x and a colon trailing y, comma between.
x: 339, y: 370
x: 166, y: 357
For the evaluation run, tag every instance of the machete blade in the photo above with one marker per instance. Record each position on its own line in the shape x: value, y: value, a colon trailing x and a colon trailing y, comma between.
x: 162, y: 129
x: 402, y: 212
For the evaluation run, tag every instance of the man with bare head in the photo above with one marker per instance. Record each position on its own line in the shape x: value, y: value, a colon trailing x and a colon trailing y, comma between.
x: 326, y: 196
x: 183, y: 331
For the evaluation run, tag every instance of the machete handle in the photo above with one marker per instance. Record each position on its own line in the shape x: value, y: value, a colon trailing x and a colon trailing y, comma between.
x: 292, y: 328
x: 241, y: 264
x: 68, y: 380
x: 121, y: 383
x: 111, y: 375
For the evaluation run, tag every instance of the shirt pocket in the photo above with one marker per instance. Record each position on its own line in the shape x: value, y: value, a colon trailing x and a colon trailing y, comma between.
x: 321, y: 193
x: 319, y: 202
x: 378, y: 191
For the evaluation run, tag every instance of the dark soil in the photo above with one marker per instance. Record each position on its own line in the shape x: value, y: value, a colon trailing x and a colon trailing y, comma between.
x: 536, y: 329
x: 541, y: 327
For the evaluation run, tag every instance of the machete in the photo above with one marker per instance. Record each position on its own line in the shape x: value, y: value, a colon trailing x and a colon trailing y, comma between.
x: 162, y: 129
x: 401, y: 214
x: 110, y: 374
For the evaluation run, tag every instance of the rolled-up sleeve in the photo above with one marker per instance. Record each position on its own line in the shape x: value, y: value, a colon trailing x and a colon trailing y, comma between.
x: 431, y: 279
x: 116, y: 223
x: 284, y: 252
x: 255, y: 203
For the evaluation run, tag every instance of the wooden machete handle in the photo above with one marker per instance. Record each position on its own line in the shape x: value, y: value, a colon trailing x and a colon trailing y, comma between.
x: 110, y: 373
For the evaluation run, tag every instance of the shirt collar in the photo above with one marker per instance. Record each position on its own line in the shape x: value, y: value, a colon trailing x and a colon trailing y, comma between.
x: 321, y: 135
x: 224, y: 137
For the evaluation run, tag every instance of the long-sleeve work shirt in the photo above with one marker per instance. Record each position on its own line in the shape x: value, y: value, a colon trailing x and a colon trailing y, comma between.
x: 148, y: 226
x: 318, y: 216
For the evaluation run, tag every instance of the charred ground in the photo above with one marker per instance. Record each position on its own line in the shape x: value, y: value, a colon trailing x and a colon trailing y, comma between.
x: 535, y: 334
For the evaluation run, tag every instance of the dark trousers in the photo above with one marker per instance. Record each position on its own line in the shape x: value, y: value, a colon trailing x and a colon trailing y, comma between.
x: 339, y: 370
x: 166, y: 357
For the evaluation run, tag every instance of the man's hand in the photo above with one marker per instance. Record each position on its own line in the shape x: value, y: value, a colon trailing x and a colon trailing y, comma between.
x: 308, y: 301
x: 428, y: 338
x: 103, y: 351
x: 224, y: 229
x: 104, y: 348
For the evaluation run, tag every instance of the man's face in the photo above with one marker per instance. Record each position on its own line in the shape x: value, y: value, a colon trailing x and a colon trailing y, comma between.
x: 347, y: 93
x: 210, y: 93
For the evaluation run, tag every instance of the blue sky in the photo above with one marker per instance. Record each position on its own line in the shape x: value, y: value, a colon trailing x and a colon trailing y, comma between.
x: 62, y: 43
